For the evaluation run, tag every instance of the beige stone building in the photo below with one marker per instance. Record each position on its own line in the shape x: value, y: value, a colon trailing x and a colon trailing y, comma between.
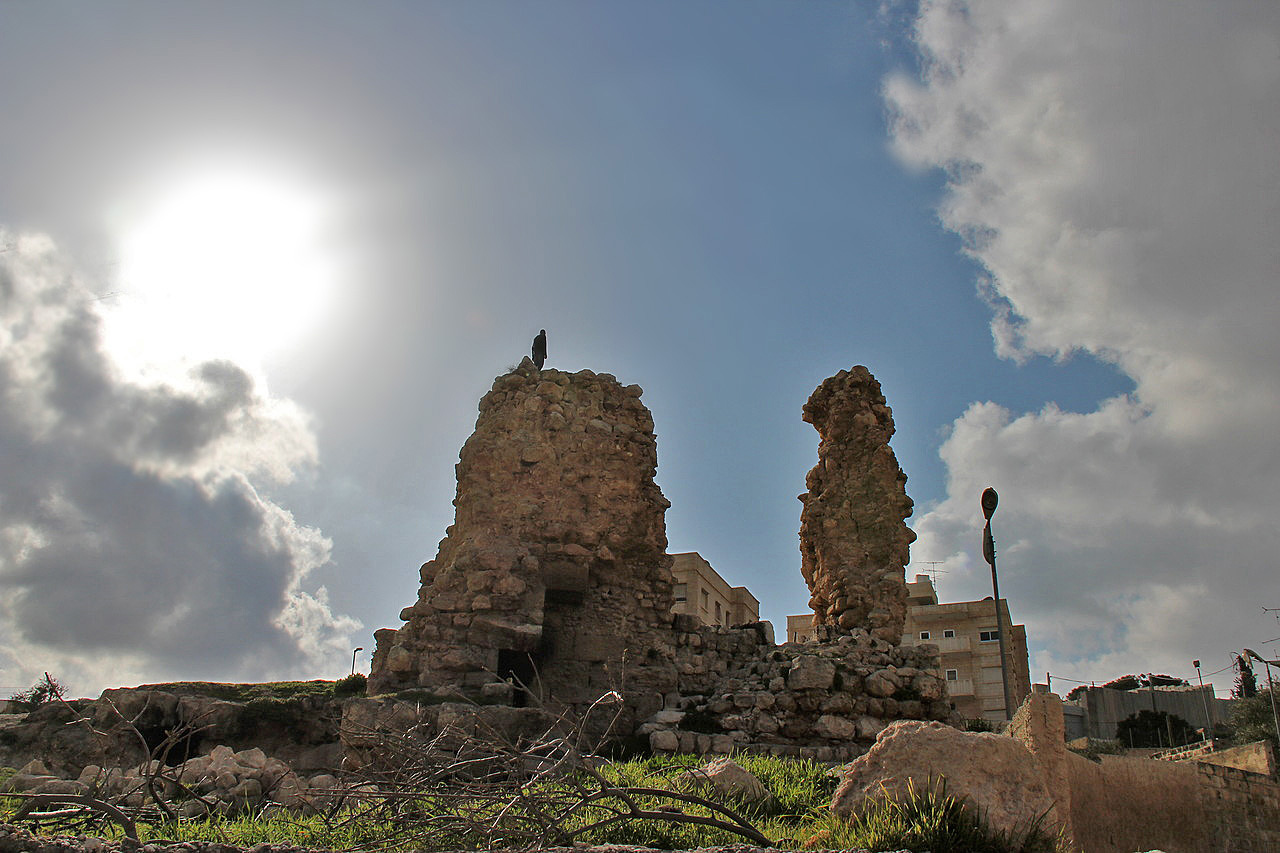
x: 700, y: 591
x: 800, y: 628
x: 965, y: 633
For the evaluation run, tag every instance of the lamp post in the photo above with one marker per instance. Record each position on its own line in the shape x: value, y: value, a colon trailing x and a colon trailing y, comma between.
x: 989, y: 501
x: 1270, y: 687
x: 354, y: 652
x: 1208, y: 720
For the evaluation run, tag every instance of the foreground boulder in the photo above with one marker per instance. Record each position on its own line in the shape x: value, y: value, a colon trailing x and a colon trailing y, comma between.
x: 995, y: 774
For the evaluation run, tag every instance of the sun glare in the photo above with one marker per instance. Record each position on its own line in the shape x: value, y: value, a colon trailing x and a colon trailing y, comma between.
x: 221, y: 266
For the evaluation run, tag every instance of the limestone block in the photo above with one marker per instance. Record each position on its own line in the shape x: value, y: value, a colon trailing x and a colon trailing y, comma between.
x: 34, y: 767
x: 191, y: 809
x: 811, y: 672
x: 254, y: 758
x: 928, y: 686
x: 869, y: 728
x: 664, y: 740
x: 248, y: 790
x: 834, y: 727
x: 996, y: 774
x: 729, y: 779
x: 882, y: 683
x: 222, y: 756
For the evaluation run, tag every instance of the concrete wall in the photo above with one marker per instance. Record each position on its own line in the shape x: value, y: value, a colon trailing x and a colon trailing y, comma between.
x: 1105, y: 708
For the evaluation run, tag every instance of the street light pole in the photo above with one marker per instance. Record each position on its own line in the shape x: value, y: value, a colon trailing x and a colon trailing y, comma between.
x: 1270, y: 687
x: 354, y: 652
x: 1208, y: 720
x: 989, y: 501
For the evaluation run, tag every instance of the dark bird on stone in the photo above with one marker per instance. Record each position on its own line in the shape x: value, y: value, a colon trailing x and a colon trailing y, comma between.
x: 540, y: 348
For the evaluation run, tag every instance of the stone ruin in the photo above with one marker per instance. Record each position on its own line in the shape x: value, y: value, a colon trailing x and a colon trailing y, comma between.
x: 554, y: 582
x: 554, y: 574
x: 853, y: 539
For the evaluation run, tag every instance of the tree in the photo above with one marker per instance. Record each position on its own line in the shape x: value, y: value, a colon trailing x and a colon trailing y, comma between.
x: 1252, y: 719
x: 1124, y: 682
x: 1146, y: 679
x: 39, y: 693
x: 1246, y: 685
x: 1155, y: 729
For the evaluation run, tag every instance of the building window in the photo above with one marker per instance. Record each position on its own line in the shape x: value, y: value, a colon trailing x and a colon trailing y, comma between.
x: 924, y: 635
x: 718, y: 619
x: 948, y: 633
x: 706, y: 599
x: 953, y: 675
x: 988, y: 636
x: 681, y: 590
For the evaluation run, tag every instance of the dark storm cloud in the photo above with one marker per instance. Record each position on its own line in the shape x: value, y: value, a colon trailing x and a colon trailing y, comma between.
x: 133, y: 536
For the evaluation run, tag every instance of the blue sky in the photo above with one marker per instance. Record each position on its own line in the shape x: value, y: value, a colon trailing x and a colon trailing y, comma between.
x: 1045, y: 230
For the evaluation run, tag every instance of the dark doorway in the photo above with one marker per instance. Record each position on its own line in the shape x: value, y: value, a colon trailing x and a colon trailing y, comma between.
x: 519, y: 668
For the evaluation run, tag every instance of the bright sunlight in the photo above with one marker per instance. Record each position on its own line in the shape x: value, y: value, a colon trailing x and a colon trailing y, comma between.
x: 221, y: 265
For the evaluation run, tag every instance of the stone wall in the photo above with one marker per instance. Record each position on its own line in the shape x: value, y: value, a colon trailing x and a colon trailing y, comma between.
x: 555, y: 569
x: 854, y: 541
x: 825, y: 700
x: 1124, y: 804
x: 1259, y: 757
x: 1245, y: 808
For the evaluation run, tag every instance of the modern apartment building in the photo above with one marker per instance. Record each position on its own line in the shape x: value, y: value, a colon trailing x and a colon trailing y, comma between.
x: 967, y: 634
x: 701, y: 592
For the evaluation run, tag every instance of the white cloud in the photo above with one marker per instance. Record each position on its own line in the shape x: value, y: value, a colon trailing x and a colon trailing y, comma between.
x: 1112, y: 168
x: 135, y: 542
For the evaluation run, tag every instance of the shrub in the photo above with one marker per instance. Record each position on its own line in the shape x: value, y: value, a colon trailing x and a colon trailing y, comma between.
x: 1252, y: 719
x: 39, y: 693
x: 353, y: 685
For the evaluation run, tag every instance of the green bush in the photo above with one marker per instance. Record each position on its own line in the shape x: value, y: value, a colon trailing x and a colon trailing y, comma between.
x: 353, y: 685
x: 1252, y: 719
x: 45, y: 690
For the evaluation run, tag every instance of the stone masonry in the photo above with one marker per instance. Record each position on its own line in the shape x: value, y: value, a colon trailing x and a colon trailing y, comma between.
x: 554, y: 575
x: 555, y: 570
x: 854, y: 541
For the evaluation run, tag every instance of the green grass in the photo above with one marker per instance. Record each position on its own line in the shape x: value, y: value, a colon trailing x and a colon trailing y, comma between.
x: 926, y: 819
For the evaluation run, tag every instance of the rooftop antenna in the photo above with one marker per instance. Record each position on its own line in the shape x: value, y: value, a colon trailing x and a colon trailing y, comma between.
x: 1275, y: 610
x: 933, y: 571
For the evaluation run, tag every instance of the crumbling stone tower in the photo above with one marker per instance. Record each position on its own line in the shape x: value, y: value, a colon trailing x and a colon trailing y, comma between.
x: 854, y: 541
x: 554, y: 571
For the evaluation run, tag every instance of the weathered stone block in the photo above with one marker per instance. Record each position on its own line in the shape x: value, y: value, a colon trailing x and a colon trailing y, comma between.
x: 811, y: 672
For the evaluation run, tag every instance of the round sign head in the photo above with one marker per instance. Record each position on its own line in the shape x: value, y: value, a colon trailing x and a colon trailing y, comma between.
x: 989, y: 501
